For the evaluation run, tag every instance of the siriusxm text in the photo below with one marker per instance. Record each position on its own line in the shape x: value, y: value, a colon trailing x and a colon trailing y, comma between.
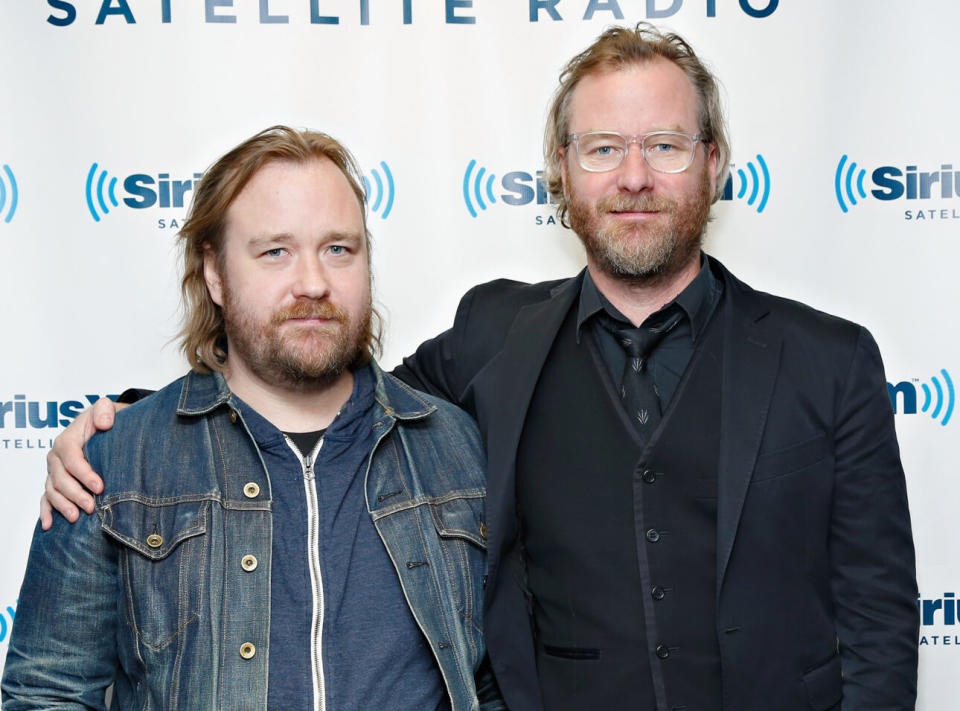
x: 21, y: 413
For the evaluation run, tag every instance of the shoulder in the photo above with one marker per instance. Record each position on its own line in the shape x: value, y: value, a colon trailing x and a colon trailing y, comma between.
x: 795, y: 320
x: 141, y: 432
x: 511, y: 295
x: 425, y: 414
x: 487, y: 311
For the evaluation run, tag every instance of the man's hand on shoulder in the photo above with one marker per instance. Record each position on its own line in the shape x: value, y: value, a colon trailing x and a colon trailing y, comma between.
x: 70, y: 478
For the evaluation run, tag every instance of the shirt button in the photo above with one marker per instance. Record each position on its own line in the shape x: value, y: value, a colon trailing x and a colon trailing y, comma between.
x: 662, y: 651
x: 247, y: 650
x: 658, y: 593
x: 653, y: 535
x: 251, y: 489
x: 649, y: 476
x: 249, y: 563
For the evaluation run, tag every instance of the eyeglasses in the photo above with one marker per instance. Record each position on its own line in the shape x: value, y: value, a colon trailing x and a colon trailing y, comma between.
x: 663, y: 151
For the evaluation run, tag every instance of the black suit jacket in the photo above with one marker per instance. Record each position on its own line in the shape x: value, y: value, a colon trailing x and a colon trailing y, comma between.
x: 815, y: 583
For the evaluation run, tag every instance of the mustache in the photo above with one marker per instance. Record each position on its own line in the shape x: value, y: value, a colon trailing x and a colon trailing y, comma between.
x: 309, y: 309
x: 635, y: 203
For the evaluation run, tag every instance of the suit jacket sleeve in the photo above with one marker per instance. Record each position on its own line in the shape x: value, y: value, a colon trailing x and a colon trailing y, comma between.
x: 873, y: 574
x: 435, y: 366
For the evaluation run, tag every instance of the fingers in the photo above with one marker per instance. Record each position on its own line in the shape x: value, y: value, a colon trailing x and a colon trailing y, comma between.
x: 66, y: 493
x: 46, y: 513
x: 103, y: 410
x: 70, y: 478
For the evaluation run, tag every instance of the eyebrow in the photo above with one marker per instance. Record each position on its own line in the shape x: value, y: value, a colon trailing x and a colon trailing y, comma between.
x: 261, y: 241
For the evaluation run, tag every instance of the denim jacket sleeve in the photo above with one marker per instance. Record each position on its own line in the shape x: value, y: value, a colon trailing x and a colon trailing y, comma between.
x: 62, y: 652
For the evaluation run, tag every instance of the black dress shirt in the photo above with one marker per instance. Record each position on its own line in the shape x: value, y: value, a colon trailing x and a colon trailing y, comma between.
x: 671, y: 356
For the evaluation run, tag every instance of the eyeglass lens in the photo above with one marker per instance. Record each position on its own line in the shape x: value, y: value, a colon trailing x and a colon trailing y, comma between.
x: 667, y: 152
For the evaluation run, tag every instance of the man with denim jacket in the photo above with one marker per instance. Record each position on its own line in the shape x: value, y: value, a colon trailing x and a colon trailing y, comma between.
x: 286, y: 526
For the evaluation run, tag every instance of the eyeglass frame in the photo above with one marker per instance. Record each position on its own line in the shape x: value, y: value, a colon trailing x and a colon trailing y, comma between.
x: 639, y: 139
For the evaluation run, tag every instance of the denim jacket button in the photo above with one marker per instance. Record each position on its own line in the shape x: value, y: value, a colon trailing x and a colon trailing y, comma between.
x: 154, y: 540
x: 247, y: 650
x: 249, y: 563
x: 251, y: 489
x: 233, y: 416
x: 483, y: 531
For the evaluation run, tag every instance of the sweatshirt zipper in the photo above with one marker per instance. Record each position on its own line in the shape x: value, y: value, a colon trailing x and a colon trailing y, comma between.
x: 316, y: 578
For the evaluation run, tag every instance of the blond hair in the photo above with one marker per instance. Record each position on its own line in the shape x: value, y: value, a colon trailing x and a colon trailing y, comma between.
x: 203, y: 334
x: 618, y: 48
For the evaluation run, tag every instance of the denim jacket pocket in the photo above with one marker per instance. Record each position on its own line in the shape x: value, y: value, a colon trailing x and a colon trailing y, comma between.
x: 458, y: 518
x: 460, y: 515
x: 162, y: 561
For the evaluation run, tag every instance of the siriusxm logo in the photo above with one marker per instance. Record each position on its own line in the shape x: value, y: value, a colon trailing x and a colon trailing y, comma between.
x: 5, y: 625
x: 380, y: 200
x: 8, y: 184
x: 141, y: 191
x: 893, y: 183
x: 515, y: 188
x: 938, y: 611
x: 21, y: 413
x: 938, y: 398
x: 755, y: 181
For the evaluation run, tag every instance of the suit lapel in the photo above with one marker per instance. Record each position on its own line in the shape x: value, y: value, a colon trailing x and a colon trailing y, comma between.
x: 510, y: 378
x: 751, y: 360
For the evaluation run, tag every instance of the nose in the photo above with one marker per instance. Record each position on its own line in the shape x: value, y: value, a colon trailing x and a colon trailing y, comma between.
x: 310, y: 278
x: 634, y: 175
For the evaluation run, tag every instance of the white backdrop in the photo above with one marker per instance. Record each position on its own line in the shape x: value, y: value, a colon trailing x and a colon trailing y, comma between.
x: 845, y: 105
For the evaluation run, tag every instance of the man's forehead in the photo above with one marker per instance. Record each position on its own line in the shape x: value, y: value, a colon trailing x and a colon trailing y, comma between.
x: 285, y: 190
x: 655, y: 86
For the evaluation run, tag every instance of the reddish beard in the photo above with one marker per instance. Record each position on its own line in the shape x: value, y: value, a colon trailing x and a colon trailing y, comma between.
x: 303, y: 357
x: 643, y: 253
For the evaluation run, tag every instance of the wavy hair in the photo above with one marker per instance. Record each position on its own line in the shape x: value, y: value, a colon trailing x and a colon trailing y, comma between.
x: 202, y: 335
x: 618, y: 48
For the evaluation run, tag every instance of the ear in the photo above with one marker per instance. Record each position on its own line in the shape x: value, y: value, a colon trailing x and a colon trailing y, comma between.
x: 212, y: 276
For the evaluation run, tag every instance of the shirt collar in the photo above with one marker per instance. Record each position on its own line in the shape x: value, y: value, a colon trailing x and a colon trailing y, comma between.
x: 696, y: 300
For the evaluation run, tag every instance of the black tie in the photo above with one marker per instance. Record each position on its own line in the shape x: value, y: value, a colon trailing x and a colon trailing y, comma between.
x: 637, y: 389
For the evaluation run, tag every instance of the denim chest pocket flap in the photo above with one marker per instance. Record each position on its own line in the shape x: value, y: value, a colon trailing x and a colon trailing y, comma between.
x: 461, y: 516
x: 155, y: 527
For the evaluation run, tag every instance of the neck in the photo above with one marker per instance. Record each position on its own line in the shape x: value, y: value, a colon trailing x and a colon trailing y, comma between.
x: 289, y: 409
x: 638, y: 299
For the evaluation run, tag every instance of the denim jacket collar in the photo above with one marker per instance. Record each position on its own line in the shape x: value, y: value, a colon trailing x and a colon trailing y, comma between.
x: 201, y: 393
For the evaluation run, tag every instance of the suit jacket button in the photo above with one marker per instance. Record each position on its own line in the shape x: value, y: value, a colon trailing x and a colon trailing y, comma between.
x: 649, y: 476
x: 662, y: 651
x: 658, y: 593
x: 653, y: 535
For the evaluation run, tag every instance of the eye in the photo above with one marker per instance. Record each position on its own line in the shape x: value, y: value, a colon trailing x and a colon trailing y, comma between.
x: 338, y: 249
x: 603, y: 148
x: 274, y: 253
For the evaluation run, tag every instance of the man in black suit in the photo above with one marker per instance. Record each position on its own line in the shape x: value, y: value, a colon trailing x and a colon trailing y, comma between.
x: 695, y: 497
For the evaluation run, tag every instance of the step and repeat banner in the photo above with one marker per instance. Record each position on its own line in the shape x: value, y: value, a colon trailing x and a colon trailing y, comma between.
x: 843, y: 191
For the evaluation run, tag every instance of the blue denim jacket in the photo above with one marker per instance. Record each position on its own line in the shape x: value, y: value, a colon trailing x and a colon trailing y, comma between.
x: 151, y: 593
